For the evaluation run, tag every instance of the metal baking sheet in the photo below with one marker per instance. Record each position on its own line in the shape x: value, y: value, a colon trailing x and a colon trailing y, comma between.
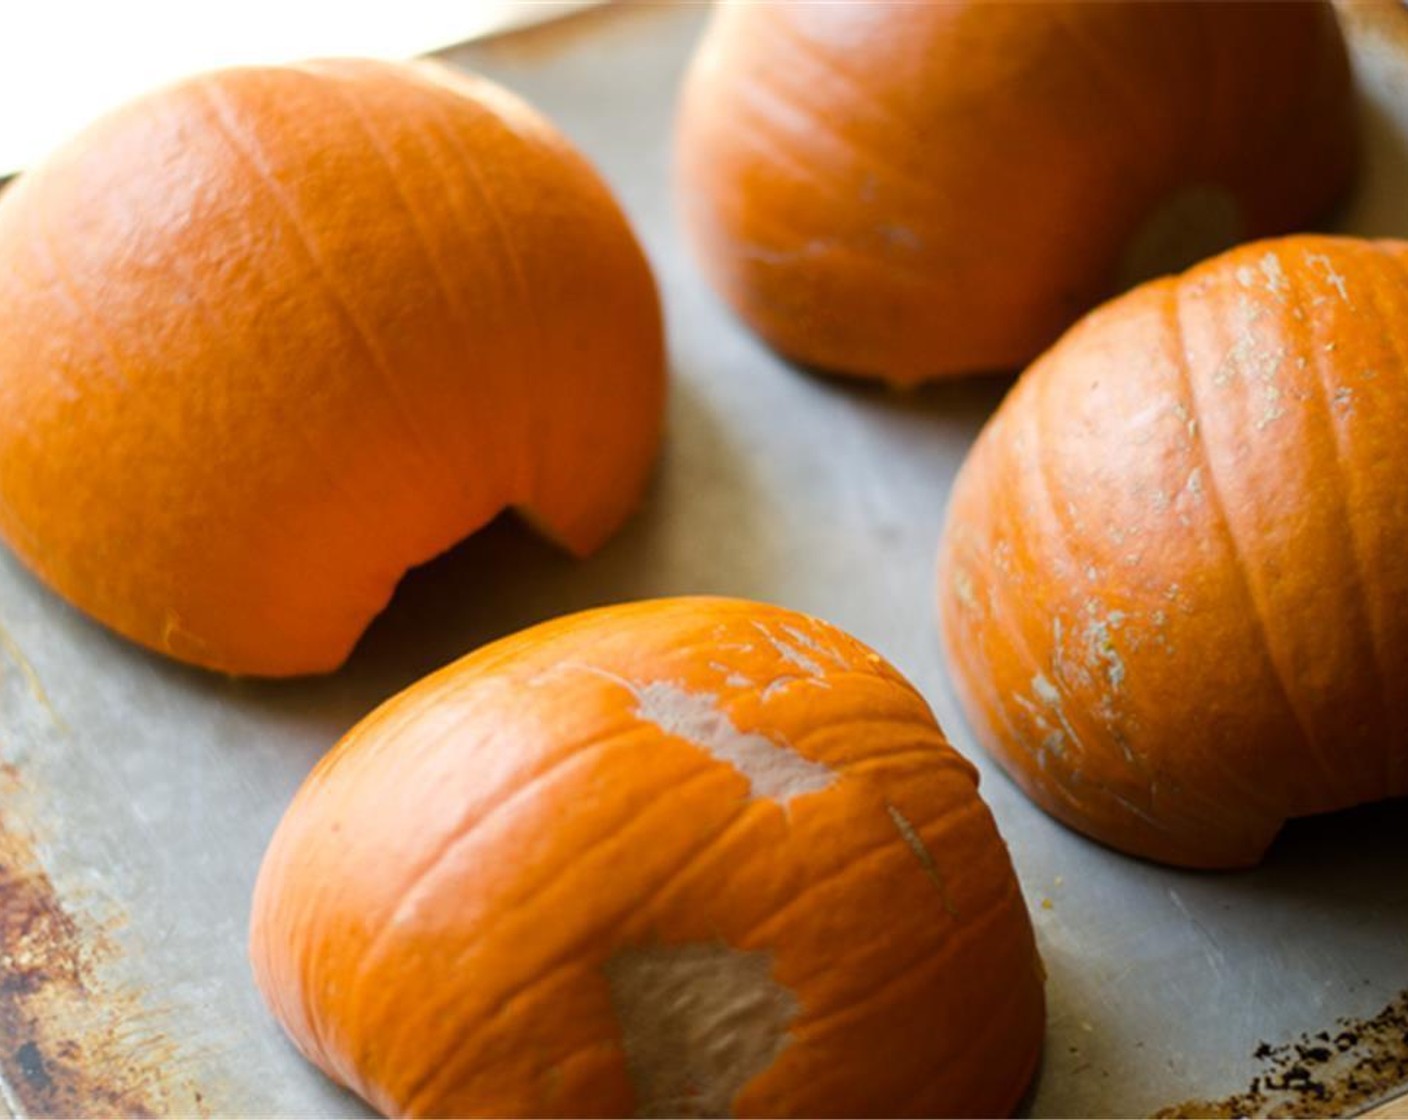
x: 136, y: 795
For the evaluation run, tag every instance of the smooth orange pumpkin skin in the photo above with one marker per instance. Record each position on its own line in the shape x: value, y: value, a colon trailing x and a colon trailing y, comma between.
x: 272, y: 336
x: 924, y: 190
x: 435, y: 915
x: 1173, y: 577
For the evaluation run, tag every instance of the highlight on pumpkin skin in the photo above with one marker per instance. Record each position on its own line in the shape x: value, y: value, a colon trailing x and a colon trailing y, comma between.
x: 272, y: 336
x: 680, y: 857
x: 1172, y: 576
x: 920, y: 191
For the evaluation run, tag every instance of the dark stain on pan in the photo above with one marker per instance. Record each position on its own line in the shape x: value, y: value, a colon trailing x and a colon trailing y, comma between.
x: 68, y: 1045
x: 32, y: 1068
x: 1348, y: 1068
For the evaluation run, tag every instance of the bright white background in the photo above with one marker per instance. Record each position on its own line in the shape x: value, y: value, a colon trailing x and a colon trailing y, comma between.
x: 63, y: 62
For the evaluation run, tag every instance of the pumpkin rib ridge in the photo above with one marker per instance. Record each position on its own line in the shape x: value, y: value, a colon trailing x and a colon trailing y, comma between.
x: 832, y: 69
x: 44, y: 240
x: 884, y: 848
x: 1010, y: 996
x: 765, y: 138
x: 1213, y: 489
x: 529, y: 469
x: 1068, y: 811
x: 1388, y: 325
x: 1249, y: 790
x: 210, y: 314
x: 752, y: 808
x: 1343, y: 488
x: 1399, y: 765
x: 251, y: 149
x: 1075, y: 816
x: 1023, y: 643
x: 434, y: 96
x: 1041, y: 475
x: 864, y: 766
x: 905, y: 722
x: 1085, y: 716
x: 752, y: 935
x: 532, y: 787
x: 569, y: 954
x: 435, y: 266
x: 1108, y: 76
x: 835, y: 1018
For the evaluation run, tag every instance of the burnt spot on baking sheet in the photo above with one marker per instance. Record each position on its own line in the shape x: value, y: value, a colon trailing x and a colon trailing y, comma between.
x: 1350, y: 1067
x: 69, y: 1044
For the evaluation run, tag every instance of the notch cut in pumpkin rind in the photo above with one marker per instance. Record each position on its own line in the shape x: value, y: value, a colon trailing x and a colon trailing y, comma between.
x: 1172, y: 568
x: 255, y: 367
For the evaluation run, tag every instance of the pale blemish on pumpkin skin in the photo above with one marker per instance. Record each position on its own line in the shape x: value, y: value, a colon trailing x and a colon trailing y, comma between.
x: 916, y: 844
x: 1056, y: 742
x: 1056, y: 739
x: 732, y: 677
x: 1270, y: 266
x: 1102, y: 650
x: 1332, y: 276
x: 963, y: 588
x: 1272, y: 408
x: 1246, y: 355
x: 787, y: 680
x: 791, y: 653
x: 805, y: 640
x: 1180, y: 409
x: 698, y: 1022
x: 774, y: 770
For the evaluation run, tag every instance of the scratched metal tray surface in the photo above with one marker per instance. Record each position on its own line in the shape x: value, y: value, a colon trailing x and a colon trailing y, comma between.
x: 136, y: 796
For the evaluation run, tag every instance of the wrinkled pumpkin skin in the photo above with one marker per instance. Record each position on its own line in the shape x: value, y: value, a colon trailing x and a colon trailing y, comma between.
x: 916, y: 191
x: 272, y: 336
x: 445, y: 908
x: 1174, y: 575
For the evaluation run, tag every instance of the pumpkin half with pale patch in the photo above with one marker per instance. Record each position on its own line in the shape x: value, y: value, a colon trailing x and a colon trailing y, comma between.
x: 1174, y: 575
x: 920, y: 190
x: 683, y: 857
x: 271, y: 336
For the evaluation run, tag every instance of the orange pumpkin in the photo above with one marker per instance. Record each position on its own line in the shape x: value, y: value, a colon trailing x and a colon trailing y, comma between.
x: 693, y: 857
x: 1174, y: 574
x: 272, y: 336
x: 910, y: 191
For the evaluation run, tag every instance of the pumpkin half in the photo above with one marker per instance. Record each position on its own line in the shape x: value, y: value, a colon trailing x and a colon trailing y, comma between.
x: 272, y: 336
x: 911, y: 191
x: 1173, y: 576
x: 691, y: 857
